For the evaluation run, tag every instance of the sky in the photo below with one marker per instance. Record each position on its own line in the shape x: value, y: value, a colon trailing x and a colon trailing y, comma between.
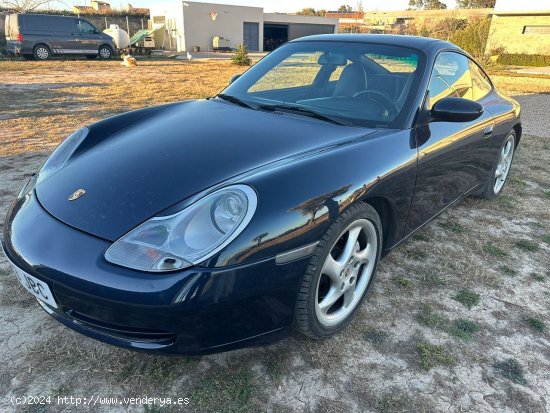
x: 292, y: 6
x: 284, y: 6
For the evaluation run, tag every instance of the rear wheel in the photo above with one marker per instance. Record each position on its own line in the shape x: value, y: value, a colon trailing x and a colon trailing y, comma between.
x: 500, y: 171
x: 41, y: 52
x: 105, y: 52
x: 340, y: 273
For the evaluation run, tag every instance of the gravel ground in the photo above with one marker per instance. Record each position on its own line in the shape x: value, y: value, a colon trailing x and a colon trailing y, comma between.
x: 535, y: 114
x: 456, y: 321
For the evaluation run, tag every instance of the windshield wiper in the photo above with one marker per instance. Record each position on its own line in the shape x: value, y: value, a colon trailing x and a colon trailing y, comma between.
x: 236, y: 100
x: 303, y: 111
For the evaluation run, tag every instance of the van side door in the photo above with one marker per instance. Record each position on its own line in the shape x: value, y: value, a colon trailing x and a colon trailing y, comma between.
x: 88, y: 37
x: 62, y: 34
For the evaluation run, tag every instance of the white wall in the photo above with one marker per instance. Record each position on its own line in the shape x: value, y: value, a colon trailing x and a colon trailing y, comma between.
x: 173, y: 13
x: 200, y: 29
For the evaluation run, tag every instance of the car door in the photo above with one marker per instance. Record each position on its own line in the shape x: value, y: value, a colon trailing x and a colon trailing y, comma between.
x: 449, y: 153
x: 88, y: 37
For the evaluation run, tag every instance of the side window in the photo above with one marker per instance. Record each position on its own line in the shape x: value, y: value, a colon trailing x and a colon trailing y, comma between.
x: 481, y: 85
x: 450, y: 77
x: 84, y: 27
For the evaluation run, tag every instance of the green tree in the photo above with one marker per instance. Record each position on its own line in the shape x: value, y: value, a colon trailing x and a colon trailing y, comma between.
x: 344, y: 9
x: 427, y: 4
x: 476, y: 4
x: 240, y: 56
x: 310, y: 11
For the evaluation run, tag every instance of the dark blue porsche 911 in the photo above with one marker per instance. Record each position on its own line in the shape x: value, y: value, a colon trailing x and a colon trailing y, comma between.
x: 208, y: 225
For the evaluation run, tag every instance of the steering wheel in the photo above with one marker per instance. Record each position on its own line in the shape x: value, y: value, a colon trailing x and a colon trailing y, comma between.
x: 379, y: 97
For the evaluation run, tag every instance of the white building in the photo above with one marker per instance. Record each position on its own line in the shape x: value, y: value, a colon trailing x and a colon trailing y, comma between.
x: 193, y: 24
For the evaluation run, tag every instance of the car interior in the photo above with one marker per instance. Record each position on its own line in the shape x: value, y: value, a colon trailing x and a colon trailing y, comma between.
x: 354, y: 86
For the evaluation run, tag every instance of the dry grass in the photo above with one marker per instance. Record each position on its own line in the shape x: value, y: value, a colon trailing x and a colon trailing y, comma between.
x: 42, y: 102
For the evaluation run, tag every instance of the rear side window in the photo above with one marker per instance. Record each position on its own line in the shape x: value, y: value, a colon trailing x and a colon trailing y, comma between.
x: 62, y: 25
x: 481, y: 85
x: 451, y: 77
x: 35, y: 22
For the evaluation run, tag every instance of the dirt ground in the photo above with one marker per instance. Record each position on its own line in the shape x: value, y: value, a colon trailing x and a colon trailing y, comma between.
x: 457, y: 320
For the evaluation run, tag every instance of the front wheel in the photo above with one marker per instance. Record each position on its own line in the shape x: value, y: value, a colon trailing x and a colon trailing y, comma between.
x: 340, y: 273
x: 105, y: 52
x: 500, y: 171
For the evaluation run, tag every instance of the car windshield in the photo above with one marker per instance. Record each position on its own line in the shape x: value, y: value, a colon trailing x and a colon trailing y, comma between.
x: 358, y: 84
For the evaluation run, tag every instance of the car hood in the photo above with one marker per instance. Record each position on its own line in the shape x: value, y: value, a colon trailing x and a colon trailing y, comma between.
x: 157, y: 161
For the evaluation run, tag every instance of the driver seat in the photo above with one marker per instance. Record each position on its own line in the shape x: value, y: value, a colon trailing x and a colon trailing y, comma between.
x: 352, y: 80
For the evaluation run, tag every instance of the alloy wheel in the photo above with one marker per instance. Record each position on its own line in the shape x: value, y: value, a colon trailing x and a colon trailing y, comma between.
x: 504, y: 163
x: 346, y: 272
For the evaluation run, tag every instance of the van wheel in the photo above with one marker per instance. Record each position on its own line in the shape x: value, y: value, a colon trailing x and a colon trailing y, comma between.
x: 41, y: 52
x: 105, y: 52
x: 91, y: 56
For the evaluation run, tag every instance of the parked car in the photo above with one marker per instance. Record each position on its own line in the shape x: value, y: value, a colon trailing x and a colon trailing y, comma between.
x: 269, y: 211
x: 41, y: 36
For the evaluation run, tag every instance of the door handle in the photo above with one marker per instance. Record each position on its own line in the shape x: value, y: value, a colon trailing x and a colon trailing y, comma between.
x: 488, y: 130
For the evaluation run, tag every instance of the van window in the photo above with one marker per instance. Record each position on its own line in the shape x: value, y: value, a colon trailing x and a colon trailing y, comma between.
x: 35, y: 22
x: 84, y: 27
x: 63, y: 25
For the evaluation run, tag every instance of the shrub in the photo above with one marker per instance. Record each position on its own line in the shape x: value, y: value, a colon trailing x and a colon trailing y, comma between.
x: 523, y: 60
x: 240, y: 56
x: 473, y: 37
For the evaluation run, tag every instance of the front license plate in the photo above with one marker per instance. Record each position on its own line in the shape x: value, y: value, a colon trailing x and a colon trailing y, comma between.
x: 36, y: 287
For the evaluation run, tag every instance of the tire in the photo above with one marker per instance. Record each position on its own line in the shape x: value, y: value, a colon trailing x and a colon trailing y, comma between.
x: 495, y: 184
x: 319, y: 313
x: 91, y: 56
x: 41, y: 52
x: 105, y: 52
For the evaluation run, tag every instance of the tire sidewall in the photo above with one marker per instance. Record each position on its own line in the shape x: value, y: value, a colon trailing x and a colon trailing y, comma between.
x: 354, y: 213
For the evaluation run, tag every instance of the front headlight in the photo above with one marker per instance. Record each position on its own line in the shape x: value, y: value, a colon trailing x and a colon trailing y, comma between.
x: 61, y: 154
x: 177, y: 241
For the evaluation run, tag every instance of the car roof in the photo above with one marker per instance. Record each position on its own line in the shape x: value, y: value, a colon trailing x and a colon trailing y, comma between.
x: 426, y: 44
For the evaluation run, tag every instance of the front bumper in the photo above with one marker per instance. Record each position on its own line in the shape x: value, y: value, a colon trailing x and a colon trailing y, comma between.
x: 195, y: 311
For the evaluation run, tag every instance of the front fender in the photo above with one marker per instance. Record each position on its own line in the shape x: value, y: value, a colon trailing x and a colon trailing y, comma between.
x: 298, y: 201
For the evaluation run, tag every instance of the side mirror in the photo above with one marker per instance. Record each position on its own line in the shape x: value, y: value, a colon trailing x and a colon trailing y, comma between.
x: 456, y: 110
x: 234, y: 78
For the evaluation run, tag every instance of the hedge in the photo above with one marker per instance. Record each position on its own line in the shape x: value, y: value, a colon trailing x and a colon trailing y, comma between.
x: 523, y: 60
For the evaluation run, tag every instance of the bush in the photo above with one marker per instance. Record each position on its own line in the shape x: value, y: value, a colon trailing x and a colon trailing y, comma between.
x: 240, y: 56
x: 524, y: 60
x: 473, y: 37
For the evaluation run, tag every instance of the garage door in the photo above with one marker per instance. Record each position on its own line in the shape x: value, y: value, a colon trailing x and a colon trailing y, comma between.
x: 251, y: 36
x: 298, y: 30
